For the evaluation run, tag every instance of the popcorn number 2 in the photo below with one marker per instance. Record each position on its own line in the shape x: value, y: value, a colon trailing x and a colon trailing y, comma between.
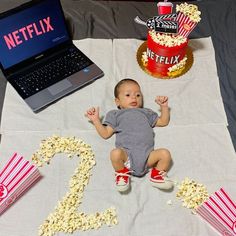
x: 66, y: 217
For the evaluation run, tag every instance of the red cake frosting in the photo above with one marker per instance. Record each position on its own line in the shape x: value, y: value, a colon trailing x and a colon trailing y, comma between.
x: 161, y: 57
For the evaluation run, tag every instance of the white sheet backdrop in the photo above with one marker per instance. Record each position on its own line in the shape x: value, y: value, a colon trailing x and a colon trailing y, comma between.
x: 197, y: 137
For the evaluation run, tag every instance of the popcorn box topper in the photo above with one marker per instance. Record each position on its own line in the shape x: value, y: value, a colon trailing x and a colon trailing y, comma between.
x: 188, y: 17
x: 220, y: 212
x: 16, y: 177
x: 186, y: 25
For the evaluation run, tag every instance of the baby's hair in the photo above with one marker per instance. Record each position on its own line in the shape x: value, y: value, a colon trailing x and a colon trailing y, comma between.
x: 123, y: 81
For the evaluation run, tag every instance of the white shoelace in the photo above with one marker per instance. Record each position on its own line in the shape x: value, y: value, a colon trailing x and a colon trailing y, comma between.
x: 121, y: 179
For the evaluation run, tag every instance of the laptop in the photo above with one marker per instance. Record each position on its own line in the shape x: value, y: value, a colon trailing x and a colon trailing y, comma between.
x: 38, y: 57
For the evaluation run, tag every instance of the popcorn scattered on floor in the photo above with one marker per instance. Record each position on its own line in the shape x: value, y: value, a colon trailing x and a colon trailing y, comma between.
x: 66, y: 217
x: 192, y: 194
x: 169, y: 202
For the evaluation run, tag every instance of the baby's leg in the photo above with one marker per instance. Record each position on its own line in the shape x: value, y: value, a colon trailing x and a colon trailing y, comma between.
x: 118, y: 157
x: 160, y: 159
x: 122, y: 177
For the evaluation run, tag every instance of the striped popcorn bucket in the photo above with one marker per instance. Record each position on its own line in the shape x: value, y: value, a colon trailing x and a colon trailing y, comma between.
x: 220, y: 212
x: 186, y: 25
x: 16, y: 177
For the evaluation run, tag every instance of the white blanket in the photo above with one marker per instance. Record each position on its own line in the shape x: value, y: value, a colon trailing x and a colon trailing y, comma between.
x: 197, y: 137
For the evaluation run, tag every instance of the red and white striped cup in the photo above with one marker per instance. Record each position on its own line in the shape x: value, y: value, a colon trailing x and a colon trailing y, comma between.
x: 186, y: 25
x: 16, y: 177
x: 220, y: 212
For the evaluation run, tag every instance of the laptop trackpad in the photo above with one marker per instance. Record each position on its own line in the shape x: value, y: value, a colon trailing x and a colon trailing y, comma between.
x: 60, y: 86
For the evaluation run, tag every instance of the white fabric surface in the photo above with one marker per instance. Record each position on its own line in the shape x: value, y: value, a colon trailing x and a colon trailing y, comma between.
x: 194, y: 97
x: 197, y: 137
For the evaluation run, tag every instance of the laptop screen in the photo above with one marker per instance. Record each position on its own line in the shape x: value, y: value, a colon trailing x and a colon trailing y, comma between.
x: 31, y: 31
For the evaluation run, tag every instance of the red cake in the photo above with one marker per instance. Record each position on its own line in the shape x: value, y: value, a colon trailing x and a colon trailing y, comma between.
x: 162, y: 57
x: 166, y: 53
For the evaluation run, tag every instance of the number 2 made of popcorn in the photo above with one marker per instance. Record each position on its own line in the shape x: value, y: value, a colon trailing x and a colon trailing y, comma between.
x: 66, y: 217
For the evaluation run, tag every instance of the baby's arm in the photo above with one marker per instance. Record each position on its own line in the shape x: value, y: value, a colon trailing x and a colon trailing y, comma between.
x: 164, y: 118
x: 104, y: 131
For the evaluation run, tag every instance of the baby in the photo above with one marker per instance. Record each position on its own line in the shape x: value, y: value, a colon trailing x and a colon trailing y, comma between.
x: 133, y: 125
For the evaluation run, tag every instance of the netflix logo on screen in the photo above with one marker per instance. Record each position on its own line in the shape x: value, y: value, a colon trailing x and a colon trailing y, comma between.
x: 28, y: 32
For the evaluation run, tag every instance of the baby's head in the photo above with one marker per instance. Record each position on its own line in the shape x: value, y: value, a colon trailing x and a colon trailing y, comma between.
x: 128, y: 94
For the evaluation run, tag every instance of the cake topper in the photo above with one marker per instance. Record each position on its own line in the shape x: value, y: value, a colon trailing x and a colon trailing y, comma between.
x: 164, y: 22
x: 164, y: 7
x: 188, y: 17
x: 180, y: 23
x: 165, y: 26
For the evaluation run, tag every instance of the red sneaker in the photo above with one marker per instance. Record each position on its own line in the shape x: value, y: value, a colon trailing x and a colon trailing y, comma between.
x: 122, y: 179
x: 159, y: 179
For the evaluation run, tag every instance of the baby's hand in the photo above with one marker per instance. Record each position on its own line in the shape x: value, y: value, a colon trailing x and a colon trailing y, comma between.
x: 162, y: 100
x: 93, y: 114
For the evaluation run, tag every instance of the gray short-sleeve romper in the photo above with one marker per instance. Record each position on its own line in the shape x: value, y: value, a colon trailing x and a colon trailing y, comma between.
x: 134, y: 134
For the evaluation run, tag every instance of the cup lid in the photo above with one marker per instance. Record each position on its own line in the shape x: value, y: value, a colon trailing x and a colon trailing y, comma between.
x: 164, y: 4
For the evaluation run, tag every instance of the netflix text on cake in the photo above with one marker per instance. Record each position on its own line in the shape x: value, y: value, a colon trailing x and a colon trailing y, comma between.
x: 160, y: 59
x: 27, y: 32
x: 163, y: 59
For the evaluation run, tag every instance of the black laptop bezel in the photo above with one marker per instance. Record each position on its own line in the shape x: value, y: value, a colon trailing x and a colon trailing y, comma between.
x: 42, y: 55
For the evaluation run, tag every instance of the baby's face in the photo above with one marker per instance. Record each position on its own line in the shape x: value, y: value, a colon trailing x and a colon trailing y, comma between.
x: 130, y: 96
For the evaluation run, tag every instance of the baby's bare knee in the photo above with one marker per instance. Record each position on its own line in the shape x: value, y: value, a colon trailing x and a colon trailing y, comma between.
x: 116, y: 154
x: 165, y: 153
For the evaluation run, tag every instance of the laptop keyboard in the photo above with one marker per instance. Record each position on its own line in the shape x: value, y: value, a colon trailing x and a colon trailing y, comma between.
x: 55, y: 70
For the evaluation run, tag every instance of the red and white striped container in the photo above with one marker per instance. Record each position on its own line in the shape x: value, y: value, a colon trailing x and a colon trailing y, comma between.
x: 186, y: 25
x: 220, y: 211
x: 16, y: 177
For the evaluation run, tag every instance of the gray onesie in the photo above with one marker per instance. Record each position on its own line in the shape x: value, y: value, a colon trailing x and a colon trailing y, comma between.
x: 134, y: 134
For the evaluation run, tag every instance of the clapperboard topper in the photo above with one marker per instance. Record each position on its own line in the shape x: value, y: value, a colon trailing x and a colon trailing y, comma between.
x: 162, y: 24
x: 180, y: 23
